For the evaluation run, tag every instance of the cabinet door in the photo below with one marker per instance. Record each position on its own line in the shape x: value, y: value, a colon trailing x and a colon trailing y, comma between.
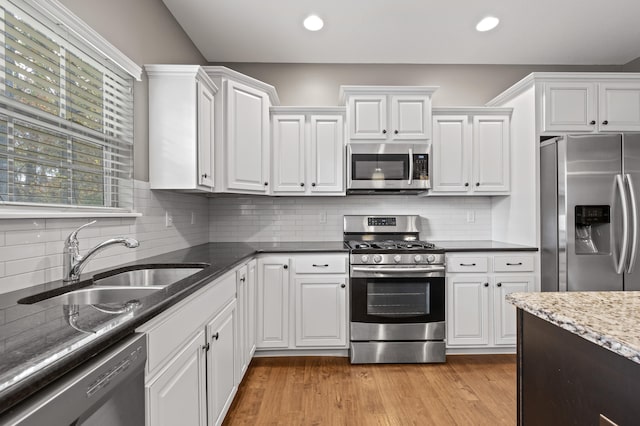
x: 288, y: 171
x: 178, y: 394
x: 242, y: 313
x: 491, y: 150
x: 326, y: 156
x: 221, y: 356
x: 273, y: 303
x: 569, y: 107
x: 504, y: 321
x: 368, y: 117
x: 410, y: 117
x: 321, y: 313
x: 451, y: 153
x: 467, y: 310
x: 619, y: 107
x: 247, y: 135
x: 252, y: 282
x: 205, y: 136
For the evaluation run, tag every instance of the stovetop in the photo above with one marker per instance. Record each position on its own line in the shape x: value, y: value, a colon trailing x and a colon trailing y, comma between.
x: 389, y: 245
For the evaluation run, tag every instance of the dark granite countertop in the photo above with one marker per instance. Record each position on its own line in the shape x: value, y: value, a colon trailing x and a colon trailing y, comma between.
x: 37, y: 345
x: 481, y: 245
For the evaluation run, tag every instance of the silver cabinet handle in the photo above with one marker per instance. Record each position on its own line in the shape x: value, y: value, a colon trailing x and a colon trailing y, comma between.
x: 326, y: 265
x: 634, y: 222
x: 467, y: 264
x: 514, y: 264
x: 625, y: 224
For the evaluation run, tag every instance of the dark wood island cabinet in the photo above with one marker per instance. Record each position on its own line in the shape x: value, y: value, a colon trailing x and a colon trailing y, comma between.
x: 578, y: 358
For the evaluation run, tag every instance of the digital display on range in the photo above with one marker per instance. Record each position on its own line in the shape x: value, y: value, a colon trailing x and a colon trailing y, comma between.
x: 382, y: 221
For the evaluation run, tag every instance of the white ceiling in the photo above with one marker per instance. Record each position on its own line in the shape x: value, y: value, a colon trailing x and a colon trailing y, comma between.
x: 585, y: 32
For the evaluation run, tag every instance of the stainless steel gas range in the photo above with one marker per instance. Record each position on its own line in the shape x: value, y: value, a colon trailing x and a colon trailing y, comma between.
x: 397, y: 299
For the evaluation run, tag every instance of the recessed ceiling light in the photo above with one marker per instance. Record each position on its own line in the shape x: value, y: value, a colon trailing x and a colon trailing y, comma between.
x: 313, y: 23
x: 487, y: 24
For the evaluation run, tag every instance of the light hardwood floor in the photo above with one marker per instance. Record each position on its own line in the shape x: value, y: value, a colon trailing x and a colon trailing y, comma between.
x: 467, y: 390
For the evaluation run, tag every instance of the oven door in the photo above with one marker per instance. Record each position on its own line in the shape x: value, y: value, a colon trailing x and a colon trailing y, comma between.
x: 386, y: 167
x: 389, y: 297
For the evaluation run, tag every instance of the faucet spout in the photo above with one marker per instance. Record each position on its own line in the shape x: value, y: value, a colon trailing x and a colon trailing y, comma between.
x: 73, y: 262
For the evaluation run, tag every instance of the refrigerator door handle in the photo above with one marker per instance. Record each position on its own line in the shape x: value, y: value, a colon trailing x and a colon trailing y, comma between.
x: 625, y: 224
x: 634, y: 222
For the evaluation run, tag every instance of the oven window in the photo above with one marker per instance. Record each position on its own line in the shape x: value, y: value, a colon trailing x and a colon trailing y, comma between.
x: 394, y: 300
x: 379, y: 166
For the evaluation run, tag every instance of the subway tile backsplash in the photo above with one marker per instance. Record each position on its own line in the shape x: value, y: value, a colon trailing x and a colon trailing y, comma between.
x: 256, y: 218
x: 31, y: 249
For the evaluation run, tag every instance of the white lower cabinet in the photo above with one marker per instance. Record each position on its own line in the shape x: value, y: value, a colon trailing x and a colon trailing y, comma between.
x: 302, y: 301
x: 221, y: 358
x: 198, y: 351
x: 478, y: 316
x: 178, y: 394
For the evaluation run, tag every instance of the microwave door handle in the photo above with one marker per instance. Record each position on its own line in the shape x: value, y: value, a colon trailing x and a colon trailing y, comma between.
x: 410, y: 166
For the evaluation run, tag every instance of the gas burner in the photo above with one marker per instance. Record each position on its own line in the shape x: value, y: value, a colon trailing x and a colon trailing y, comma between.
x: 385, y: 245
x: 416, y: 245
x: 359, y: 245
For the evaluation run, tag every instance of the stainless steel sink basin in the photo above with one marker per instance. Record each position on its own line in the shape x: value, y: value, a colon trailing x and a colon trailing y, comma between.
x: 99, y: 296
x: 157, y: 277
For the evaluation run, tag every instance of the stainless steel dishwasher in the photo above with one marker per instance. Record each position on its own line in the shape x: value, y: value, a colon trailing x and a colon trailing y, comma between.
x: 107, y: 390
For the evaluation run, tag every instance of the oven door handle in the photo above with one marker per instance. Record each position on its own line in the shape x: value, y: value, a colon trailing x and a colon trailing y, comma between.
x: 399, y: 270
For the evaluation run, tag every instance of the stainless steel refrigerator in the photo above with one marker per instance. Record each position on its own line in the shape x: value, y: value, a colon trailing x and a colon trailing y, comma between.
x: 589, y: 195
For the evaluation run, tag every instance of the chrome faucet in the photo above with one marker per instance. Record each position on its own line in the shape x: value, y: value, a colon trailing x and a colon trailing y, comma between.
x: 73, y: 262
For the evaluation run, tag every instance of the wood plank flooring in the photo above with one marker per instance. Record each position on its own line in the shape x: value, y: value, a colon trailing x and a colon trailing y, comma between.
x: 466, y: 390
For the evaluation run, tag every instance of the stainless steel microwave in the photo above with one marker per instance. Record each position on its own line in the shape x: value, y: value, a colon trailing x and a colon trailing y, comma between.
x: 387, y: 168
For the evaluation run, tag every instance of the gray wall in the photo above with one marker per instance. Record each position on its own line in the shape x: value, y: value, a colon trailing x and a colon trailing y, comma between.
x: 460, y: 85
x: 146, y: 32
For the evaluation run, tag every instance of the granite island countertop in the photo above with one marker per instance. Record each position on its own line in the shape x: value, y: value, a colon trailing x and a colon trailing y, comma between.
x: 37, y: 345
x: 609, y: 319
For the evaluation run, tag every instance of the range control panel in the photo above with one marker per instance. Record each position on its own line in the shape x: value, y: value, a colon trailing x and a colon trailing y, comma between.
x: 381, y: 221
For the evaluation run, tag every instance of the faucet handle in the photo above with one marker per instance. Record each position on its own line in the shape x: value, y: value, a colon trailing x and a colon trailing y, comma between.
x: 73, y: 237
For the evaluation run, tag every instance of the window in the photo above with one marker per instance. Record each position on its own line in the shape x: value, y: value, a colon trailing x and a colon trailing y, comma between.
x: 66, y: 114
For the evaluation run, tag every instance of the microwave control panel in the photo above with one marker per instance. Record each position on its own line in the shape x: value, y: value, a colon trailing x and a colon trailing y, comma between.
x: 420, y: 166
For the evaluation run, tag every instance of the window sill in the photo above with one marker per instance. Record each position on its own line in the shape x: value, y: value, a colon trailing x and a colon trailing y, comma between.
x: 50, y: 214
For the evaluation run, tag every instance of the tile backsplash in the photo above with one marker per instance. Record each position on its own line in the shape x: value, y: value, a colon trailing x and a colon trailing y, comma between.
x: 31, y: 249
x: 255, y: 218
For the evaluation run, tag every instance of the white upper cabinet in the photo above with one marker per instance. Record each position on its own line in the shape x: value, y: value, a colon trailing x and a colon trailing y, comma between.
x: 181, y: 128
x: 591, y: 106
x: 471, y: 151
x: 388, y: 113
x: 307, y: 151
x: 242, y: 150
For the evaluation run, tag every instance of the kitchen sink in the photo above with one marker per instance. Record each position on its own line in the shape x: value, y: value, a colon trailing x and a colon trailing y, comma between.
x: 98, y: 296
x: 144, y: 277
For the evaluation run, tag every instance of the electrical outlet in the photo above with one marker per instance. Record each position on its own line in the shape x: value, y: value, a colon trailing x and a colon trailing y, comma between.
x: 471, y: 216
x: 323, y: 217
x: 168, y: 219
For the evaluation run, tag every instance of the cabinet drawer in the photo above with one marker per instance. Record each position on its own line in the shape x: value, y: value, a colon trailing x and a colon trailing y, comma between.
x: 167, y: 333
x: 467, y: 264
x: 513, y: 263
x: 321, y: 264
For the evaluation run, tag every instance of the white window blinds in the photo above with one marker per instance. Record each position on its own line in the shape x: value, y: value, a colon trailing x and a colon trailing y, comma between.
x: 66, y: 116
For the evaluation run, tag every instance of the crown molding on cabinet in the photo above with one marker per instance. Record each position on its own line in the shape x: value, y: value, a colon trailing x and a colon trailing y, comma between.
x: 373, y: 90
x: 474, y: 110
x: 218, y: 71
x: 308, y: 110
x: 184, y: 71
x: 534, y: 77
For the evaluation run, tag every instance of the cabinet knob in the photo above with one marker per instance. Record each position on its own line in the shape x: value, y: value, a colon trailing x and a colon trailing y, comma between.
x: 313, y: 184
x: 499, y: 284
x: 384, y: 131
x: 477, y: 183
x: 486, y: 284
x: 206, y: 347
x: 243, y: 279
x: 592, y: 122
x: 302, y: 184
x: 395, y: 132
x: 204, y: 175
x: 466, y: 184
x: 266, y: 184
x: 215, y: 336
x: 286, y: 266
x: 605, y: 122
x: 343, y: 285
